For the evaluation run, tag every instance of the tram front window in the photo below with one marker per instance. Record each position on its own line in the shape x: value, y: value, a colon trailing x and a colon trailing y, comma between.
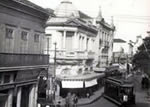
x: 126, y: 90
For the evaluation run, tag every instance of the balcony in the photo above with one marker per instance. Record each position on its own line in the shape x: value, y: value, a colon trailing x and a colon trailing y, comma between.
x: 19, y: 60
x: 91, y: 55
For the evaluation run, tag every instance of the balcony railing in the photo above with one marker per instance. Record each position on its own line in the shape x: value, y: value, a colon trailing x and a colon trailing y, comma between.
x: 15, y: 60
x: 91, y: 54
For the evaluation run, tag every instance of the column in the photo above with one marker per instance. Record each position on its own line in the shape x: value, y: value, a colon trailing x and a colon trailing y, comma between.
x: 19, y: 97
x: 82, y: 43
x: 31, y: 96
x: 35, y: 95
x: 9, y: 99
x: 10, y: 94
x: 85, y: 41
x: 64, y: 39
x: 75, y: 41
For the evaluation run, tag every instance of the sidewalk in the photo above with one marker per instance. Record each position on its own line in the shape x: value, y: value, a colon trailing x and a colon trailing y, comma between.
x: 83, y: 101
x: 141, y: 94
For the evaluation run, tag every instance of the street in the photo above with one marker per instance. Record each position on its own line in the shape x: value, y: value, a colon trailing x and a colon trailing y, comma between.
x: 102, y: 102
x: 141, y: 100
x: 141, y: 97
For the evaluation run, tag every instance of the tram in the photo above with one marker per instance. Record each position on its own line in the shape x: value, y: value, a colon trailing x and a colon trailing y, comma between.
x: 119, y: 91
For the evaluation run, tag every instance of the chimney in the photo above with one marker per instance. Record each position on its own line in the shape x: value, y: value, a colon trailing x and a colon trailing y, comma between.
x: 148, y: 32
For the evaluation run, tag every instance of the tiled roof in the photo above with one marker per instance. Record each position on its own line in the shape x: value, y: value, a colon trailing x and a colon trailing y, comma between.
x: 31, y: 5
x: 71, y: 22
x: 84, y: 16
x: 119, y: 41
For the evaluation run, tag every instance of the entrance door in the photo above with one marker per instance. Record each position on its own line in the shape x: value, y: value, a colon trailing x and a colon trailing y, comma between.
x: 25, y: 96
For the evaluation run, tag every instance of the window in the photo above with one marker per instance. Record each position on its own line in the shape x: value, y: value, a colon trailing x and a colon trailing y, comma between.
x: 6, y: 78
x: 36, y: 38
x: 9, y: 33
x: 69, y: 40
x: 0, y: 78
x: 24, y: 35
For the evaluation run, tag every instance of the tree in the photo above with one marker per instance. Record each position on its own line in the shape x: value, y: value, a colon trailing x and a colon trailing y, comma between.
x: 141, y: 60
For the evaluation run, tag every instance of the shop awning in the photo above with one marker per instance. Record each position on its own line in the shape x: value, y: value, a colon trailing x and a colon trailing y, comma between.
x: 3, y: 97
x: 82, y: 77
x: 72, y: 84
x: 31, y: 74
x: 99, y: 70
x: 90, y: 83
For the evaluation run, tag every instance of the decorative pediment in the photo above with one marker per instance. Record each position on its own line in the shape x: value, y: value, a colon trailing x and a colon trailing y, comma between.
x: 72, y: 23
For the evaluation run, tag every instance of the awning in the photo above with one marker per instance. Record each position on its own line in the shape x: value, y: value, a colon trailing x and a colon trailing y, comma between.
x: 3, y: 97
x: 5, y: 87
x: 99, y: 70
x: 72, y: 84
x: 90, y: 83
x: 82, y: 77
x: 25, y: 75
x: 63, y: 62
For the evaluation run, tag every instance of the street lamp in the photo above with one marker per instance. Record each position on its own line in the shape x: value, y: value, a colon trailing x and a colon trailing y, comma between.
x: 54, y: 74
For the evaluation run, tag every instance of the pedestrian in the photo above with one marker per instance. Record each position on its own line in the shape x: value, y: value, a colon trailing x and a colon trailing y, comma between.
x: 75, y: 100
x: 87, y: 95
x: 59, y: 104
x: 68, y: 100
x: 142, y: 82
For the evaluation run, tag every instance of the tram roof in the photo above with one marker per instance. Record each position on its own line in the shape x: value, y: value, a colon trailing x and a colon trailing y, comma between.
x: 121, y: 81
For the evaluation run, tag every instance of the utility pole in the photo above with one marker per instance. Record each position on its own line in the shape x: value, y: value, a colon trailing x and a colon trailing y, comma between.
x: 55, y: 60
x: 54, y: 74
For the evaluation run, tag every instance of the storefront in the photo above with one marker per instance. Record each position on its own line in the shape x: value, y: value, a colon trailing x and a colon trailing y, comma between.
x: 80, y: 85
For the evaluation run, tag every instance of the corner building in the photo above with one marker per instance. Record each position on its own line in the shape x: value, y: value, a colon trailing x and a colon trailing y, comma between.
x: 22, y: 59
x: 76, y: 50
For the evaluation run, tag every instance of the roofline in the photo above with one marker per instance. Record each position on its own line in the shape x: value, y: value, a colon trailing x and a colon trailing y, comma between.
x: 22, y: 7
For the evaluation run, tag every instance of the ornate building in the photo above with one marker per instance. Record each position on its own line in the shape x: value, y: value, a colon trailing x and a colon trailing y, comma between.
x: 22, y: 59
x: 104, y: 42
x: 79, y: 46
x: 75, y: 37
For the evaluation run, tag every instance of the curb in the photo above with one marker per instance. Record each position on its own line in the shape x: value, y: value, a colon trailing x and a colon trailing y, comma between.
x: 90, y: 102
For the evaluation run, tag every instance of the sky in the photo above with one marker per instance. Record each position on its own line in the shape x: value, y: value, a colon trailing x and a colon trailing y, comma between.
x: 131, y: 17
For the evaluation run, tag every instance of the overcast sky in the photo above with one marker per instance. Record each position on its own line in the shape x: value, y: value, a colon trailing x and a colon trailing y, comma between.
x: 131, y: 17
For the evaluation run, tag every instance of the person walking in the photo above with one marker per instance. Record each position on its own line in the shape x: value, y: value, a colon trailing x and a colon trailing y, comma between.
x: 59, y: 104
x: 75, y: 100
x: 68, y: 100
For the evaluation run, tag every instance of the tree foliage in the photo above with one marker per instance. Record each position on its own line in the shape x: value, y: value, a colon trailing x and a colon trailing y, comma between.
x: 141, y: 59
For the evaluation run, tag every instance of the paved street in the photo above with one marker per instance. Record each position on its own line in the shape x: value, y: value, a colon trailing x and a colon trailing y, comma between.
x: 102, y: 102
x: 141, y: 96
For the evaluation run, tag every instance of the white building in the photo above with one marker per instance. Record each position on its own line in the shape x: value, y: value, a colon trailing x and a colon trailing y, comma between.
x: 75, y: 37
x: 79, y: 45
x: 137, y: 43
x: 104, y: 41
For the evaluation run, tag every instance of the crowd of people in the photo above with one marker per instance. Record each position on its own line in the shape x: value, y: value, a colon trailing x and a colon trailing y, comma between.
x: 145, y: 82
x: 71, y: 100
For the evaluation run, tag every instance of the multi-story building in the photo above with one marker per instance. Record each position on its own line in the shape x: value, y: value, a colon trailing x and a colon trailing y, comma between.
x: 120, y: 50
x: 78, y: 45
x: 137, y: 43
x: 75, y: 37
x: 104, y: 44
x: 22, y: 61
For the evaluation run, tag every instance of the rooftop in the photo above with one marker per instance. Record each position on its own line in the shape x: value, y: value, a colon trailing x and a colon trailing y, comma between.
x: 31, y: 5
x: 119, y: 40
x: 67, y: 9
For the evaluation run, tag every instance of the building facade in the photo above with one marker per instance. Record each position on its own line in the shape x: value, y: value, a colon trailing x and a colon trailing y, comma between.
x: 75, y: 37
x: 122, y: 51
x: 104, y: 44
x: 22, y: 59
x: 79, y: 46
